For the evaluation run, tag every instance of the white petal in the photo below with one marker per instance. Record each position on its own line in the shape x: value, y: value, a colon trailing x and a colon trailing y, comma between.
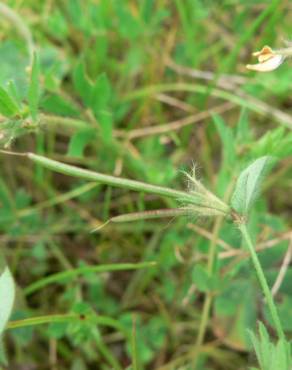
x: 268, y: 65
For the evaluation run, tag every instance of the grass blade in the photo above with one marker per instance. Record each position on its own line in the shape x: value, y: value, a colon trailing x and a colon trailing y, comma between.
x: 71, y: 274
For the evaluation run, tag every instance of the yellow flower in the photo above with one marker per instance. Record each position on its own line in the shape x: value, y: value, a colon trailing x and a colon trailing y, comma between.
x: 268, y: 60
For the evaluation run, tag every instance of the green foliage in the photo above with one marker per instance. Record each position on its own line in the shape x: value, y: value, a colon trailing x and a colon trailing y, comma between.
x: 100, y: 100
x: 276, y: 142
x: 271, y: 355
x: 34, y: 88
x: 8, y: 106
x: 142, y: 91
x: 13, y: 70
x: 96, y: 96
x: 82, y: 83
x: 249, y: 184
x: 201, y: 278
x: 79, y: 141
x: 228, y: 142
x: 150, y: 336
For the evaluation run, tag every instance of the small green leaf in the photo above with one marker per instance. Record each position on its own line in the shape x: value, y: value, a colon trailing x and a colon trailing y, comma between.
x: 105, y: 120
x: 8, y: 106
x: 277, y: 142
x: 57, y: 330
x: 249, y: 183
x: 101, y: 94
x: 79, y: 141
x: 201, y: 278
x: 56, y: 104
x: 82, y: 84
x: 7, y: 293
x: 14, y: 93
x: 271, y: 355
x: 227, y: 139
x: 34, y: 88
x: 266, y: 346
x: 243, y: 134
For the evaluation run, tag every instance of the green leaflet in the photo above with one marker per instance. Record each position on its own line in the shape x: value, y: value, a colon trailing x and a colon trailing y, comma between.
x: 8, y: 107
x: 228, y: 141
x: 100, y: 105
x: 82, y: 84
x: 101, y: 93
x: 248, y: 185
x: 79, y: 140
x: 201, y: 278
x: 69, y: 274
x: 34, y: 88
x: 270, y: 355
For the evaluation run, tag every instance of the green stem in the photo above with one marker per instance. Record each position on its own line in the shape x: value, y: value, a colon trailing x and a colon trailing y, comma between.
x: 70, y: 274
x: 68, y: 317
x: 40, y: 320
x: 148, y: 215
x: 106, y: 352
x: 76, y: 192
x: 71, y: 317
x: 110, y: 180
x: 209, y: 295
x: 263, y: 281
x: 135, y: 362
x: 203, y: 324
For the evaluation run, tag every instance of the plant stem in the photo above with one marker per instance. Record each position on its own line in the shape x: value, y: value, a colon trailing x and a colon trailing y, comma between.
x: 72, y: 317
x: 263, y: 281
x: 209, y: 295
x: 110, y: 180
x: 71, y: 274
x: 67, y: 317
x: 148, y: 215
x: 203, y: 322
x: 212, y: 258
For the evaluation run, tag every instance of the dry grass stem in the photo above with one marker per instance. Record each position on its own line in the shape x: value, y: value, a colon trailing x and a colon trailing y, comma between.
x: 284, y: 267
x: 175, y: 125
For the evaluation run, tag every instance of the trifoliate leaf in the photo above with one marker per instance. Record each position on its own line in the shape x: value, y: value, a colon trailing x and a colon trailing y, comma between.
x: 8, y: 106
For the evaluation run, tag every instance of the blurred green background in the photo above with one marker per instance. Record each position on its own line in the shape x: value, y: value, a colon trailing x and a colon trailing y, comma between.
x: 142, y: 89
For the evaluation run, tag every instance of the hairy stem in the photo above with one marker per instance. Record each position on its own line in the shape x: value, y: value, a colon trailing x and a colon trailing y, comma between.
x: 70, y: 170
